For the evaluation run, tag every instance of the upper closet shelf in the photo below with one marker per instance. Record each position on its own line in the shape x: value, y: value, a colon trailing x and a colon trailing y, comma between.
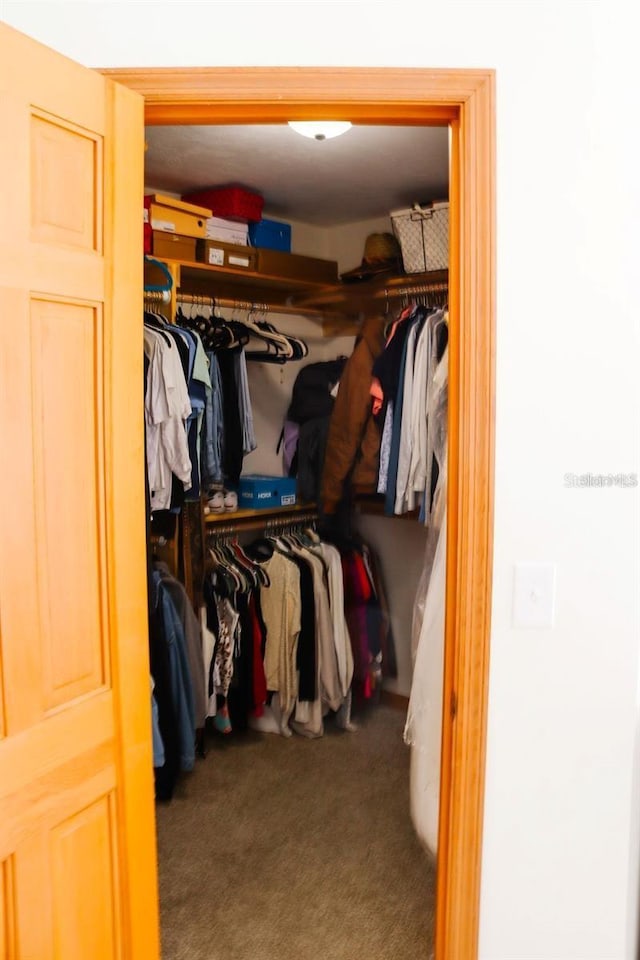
x: 354, y: 297
x: 346, y: 300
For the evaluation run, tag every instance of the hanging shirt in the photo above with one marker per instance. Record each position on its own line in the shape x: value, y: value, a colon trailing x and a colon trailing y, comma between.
x: 280, y: 604
x: 232, y: 450
x: 199, y: 388
x: 211, y: 453
x: 328, y: 690
x: 406, y: 438
x: 385, y: 448
x: 244, y: 403
x: 208, y: 648
x: 167, y: 408
x: 342, y: 643
x: 424, y: 366
x: 193, y: 640
x: 156, y: 736
x: 180, y: 677
x: 394, y: 451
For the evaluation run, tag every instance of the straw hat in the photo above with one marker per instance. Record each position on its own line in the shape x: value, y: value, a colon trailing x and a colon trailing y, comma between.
x: 382, y: 254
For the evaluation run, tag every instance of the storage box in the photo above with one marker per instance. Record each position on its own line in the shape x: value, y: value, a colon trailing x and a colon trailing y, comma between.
x: 231, y: 255
x: 231, y: 231
x: 233, y: 203
x: 148, y: 232
x: 292, y: 266
x: 259, y: 492
x: 271, y: 234
x: 174, y: 216
x: 173, y: 246
x: 423, y: 235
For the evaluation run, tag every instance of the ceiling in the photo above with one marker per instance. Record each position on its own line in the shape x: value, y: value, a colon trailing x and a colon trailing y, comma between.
x: 366, y: 173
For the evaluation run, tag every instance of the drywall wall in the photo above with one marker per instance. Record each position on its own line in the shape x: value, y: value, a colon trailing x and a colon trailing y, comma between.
x: 560, y: 848
x: 270, y: 386
x: 346, y: 244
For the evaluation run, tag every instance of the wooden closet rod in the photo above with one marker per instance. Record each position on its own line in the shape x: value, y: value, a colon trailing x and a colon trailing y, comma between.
x: 414, y: 291
x: 224, y: 303
x: 157, y: 296
x: 267, y: 524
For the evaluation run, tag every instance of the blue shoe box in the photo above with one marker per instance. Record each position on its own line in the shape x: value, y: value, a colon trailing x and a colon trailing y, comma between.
x: 259, y: 492
x: 270, y: 235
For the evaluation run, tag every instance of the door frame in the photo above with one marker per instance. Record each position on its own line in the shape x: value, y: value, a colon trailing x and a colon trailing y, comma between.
x: 465, y: 100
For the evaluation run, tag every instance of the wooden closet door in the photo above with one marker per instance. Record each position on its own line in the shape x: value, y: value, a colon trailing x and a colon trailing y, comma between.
x: 77, y: 838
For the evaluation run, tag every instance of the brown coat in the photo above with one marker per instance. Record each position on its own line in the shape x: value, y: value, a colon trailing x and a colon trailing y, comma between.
x: 353, y: 442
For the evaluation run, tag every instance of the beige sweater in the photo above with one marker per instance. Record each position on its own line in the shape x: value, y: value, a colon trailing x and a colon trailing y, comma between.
x: 280, y: 604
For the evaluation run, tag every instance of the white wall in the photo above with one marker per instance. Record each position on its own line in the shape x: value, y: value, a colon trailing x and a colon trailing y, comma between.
x: 270, y: 386
x: 346, y: 243
x: 560, y: 852
x: 306, y: 239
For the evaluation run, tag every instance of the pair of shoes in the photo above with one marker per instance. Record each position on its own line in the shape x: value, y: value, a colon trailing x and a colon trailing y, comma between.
x: 230, y: 501
x: 215, y: 504
x: 222, y: 501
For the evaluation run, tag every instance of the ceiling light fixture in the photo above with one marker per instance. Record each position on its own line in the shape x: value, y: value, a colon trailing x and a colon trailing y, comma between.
x: 320, y: 129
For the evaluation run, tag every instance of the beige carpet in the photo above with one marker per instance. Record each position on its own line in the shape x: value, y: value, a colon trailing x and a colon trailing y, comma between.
x: 297, y: 849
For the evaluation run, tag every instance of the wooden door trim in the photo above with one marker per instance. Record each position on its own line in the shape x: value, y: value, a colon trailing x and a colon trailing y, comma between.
x: 466, y: 100
x: 126, y: 532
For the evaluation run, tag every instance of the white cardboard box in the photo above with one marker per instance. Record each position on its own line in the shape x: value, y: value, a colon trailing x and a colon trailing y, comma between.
x: 230, y: 231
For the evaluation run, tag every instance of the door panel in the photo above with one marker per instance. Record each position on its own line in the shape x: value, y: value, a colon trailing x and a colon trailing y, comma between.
x: 69, y: 524
x: 77, y: 837
x: 64, y: 156
x: 84, y: 868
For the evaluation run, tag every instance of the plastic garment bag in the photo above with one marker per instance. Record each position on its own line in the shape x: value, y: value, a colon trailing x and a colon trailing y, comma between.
x: 423, y: 729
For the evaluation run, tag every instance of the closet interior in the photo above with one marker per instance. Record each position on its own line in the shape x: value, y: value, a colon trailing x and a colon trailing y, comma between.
x: 296, y: 559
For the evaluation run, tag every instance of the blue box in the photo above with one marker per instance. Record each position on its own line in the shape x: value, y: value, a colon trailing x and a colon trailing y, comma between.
x: 270, y: 235
x: 259, y: 492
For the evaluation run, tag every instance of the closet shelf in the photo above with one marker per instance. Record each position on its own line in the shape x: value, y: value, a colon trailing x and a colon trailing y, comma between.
x: 247, y: 279
x: 343, y: 300
x: 244, y: 286
x: 354, y: 296
x: 239, y: 517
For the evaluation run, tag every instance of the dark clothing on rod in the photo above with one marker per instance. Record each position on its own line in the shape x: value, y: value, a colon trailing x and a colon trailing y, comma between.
x: 306, y: 658
x: 240, y: 697
x: 232, y: 456
x: 166, y: 775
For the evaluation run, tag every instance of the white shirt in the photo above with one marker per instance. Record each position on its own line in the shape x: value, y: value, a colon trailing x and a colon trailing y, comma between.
x: 423, y: 372
x: 406, y: 439
x: 167, y: 407
x: 341, y: 638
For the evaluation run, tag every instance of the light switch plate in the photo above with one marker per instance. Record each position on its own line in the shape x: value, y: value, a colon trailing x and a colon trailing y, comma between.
x: 534, y: 588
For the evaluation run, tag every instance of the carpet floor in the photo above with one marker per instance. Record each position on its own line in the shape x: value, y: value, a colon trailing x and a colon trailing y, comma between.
x: 276, y: 849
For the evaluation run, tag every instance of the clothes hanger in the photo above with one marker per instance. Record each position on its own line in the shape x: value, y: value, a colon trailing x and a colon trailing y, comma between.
x: 230, y: 561
x: 258, y: 573
x: 155, y: 287
x: 280, y: 348
x: 242, y: 565
x: 312, y: 534
x: 299, y: 347
x: 156, y: 323
x: 235, y: 581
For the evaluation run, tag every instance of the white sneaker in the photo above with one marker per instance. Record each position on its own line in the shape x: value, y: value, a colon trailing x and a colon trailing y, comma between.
x: 230, y: 501
x: 216, y: 503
